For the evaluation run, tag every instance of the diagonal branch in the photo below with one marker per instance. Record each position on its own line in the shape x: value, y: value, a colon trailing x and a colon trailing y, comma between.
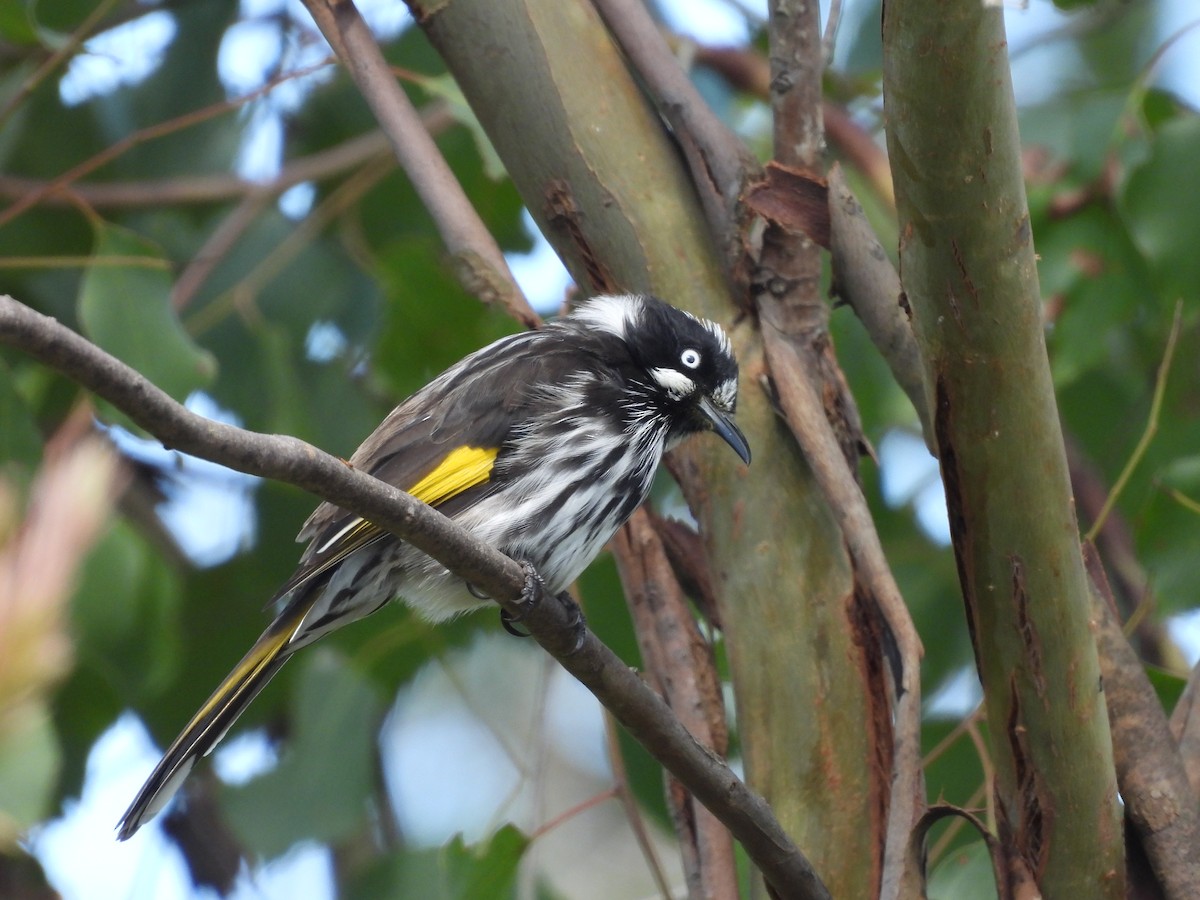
x: 865, y: 278
x: 679, y: 662
x: 643, y: 713
x: 1158, y: 798
x: 718, y: 160
x: 805, y: 415
x: 478, y: 260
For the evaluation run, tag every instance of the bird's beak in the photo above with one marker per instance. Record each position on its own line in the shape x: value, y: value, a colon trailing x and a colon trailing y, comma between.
x: 722, y: 424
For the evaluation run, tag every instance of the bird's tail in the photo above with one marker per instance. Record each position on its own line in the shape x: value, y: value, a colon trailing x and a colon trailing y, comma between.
x: 214, y: 718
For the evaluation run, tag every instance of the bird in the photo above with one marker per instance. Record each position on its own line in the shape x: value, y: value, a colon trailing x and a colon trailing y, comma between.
x: 541, y: 444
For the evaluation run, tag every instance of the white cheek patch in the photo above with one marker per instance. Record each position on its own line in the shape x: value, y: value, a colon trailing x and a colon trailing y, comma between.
x: 725, y: 395
x: 674, y: 383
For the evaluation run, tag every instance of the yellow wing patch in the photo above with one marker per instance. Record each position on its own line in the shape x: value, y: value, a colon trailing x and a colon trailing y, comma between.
x: 462, y: 468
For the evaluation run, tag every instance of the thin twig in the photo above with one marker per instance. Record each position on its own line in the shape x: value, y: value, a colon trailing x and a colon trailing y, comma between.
x: 938, y: 850
x: 224, y: 238
x: 831, y: 29
x: 1153, y: 781
x: 141, y: 136
x: 244, y: 294
x: 633, y: 812
x: 1182, y: 499
x: 952, y: 736
x: 319, y: 166
x: 55, y: 59
x: 680, y: 666
x: 865, y: 278
x: 1130, y: 583
x: 989, y: 772
x: 746, y: 69
x: 435, y: 116
x: 479, y: 262
x: 1185, y: 728
x: 579, y: 808
x: 554, y: 625
x: 124, y: 261
x: 1143, y: 444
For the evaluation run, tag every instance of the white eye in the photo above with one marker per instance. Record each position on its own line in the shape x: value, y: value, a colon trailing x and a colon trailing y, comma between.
x: 690, y: 358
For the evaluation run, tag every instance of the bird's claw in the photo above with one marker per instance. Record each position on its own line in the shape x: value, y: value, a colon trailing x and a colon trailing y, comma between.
x: 509, y: 623
x: 531, y: 594
x: 577, y: 623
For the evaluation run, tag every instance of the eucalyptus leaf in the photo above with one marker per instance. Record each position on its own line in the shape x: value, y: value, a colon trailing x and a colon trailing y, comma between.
x: 453, y: 872
x: 1162, y: 215
x: 20, y: 439
x: 124, y: 306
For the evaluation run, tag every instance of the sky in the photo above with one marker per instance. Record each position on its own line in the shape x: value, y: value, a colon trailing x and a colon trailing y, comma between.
x: 78, y: 851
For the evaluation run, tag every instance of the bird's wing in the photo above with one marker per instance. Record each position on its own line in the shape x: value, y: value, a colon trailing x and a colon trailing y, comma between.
x: 442, y: 444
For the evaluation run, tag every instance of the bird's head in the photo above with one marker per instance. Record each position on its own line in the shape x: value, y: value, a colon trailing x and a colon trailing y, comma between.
x: 685, y: 367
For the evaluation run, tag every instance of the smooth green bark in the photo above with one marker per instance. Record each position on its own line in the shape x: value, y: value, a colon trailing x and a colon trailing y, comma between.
x: 969, y: 270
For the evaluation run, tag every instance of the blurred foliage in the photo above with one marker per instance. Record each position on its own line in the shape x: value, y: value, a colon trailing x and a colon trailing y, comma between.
x: 453, y: 872
x: 965, y: 875
x: 1111, y: 162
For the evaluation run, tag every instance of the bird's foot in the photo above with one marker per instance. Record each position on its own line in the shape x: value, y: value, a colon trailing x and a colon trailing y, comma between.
x: 576, y: 622
x: 508, y: 622
x: 531, y: 595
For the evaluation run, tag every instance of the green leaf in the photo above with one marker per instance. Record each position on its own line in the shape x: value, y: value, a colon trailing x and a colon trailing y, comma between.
x: 85, y: 706
x: 964, y: 875
x: 452, y: 872
x: 431, y: 322
x: 15, y: 24
x: 185, y: 81
x: 1167, y: 685
x: 1182, y: 474
x: 124, y: 306
x: 1160, y: 107
x: 12, y: 83
x: 124, y: 614
x: 444, y: 87
x: 1162, y: 215
x: 20, y: 439
x: 1079, y: 127
x: 1090, y: 263
x: 60, y: 15
x: 321, y: 788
